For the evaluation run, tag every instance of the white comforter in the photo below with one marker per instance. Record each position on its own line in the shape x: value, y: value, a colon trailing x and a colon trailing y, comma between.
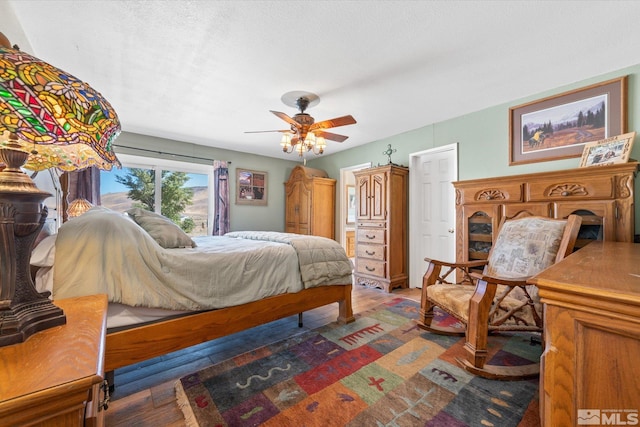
x: 105, y: 252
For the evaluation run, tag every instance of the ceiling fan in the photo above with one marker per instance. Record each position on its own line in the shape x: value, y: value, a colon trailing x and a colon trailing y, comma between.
x: 305, y: 132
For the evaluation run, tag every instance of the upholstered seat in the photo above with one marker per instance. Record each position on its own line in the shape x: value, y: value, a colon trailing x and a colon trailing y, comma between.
x: 498, y: 299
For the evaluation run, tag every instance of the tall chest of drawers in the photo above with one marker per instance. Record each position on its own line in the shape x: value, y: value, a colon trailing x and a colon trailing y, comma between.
x: 381, y: 227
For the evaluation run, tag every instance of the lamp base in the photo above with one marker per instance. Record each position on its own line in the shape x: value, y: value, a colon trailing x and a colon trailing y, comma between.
x: 23, y: 310
x: 21, y: 321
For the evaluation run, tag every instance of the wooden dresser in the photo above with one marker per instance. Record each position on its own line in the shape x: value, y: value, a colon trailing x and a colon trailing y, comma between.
x: 55, y: 377
x: 310, y: 199
x: 603, y: 196
x: 591, y: 362
x: 381, y: 227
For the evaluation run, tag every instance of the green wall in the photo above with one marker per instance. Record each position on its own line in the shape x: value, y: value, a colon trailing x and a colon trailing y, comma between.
x: 482, y: 138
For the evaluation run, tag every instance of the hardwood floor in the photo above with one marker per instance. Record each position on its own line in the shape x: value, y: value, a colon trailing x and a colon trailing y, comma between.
x: 145, y: 395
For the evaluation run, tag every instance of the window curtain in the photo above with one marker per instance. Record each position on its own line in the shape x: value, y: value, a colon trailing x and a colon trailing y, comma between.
x: 84, y: 184
x: 221, y: 198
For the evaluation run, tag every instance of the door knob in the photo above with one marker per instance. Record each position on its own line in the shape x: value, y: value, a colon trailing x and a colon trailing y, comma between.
x: 451, y: 230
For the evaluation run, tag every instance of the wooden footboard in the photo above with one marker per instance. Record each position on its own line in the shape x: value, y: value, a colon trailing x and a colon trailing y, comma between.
x: 145, y: 342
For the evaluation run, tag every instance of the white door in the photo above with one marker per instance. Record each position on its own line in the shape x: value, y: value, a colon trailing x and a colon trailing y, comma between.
x: 432, y: 203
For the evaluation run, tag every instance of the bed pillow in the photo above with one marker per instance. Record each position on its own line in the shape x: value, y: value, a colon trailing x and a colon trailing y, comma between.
x: 161, y: 229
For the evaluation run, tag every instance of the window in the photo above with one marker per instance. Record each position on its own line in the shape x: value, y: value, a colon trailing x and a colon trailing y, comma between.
x: 186, y: 184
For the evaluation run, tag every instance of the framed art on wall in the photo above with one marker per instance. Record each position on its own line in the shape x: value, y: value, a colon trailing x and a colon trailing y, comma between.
x: 608, y: 151
x: 558, y: 127
x: 251, y: 187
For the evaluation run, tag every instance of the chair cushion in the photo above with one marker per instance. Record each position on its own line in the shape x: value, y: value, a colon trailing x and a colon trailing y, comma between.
x: 510, y: 258
x: 454, y: 299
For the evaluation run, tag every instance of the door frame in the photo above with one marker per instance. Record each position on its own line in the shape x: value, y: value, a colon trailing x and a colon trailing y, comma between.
x: 342, y: 211
x: 414, y: 213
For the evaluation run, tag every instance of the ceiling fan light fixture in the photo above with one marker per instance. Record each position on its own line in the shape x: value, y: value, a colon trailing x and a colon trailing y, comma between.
x: 285, y: 142
x: 320, y: 144
x: 305, y: 133
x: 310, y: 140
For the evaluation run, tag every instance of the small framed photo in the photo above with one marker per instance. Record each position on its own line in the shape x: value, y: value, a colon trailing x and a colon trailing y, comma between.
x: 251, y: 187
x: 608, y: 151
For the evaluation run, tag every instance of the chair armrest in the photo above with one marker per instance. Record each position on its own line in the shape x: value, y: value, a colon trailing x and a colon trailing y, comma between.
x: 463, y: 264
x: 521, y: 281
x: 436, y: 274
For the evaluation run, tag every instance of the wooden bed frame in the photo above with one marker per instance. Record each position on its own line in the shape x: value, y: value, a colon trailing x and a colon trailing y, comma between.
x: 136, y: 344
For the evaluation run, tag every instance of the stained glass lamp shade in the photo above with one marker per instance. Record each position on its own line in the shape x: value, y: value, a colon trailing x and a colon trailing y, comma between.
x: 48, y: 118
x: 72, y: 125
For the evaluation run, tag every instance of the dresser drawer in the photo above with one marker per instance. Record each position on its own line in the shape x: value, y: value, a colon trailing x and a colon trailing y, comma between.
x: 507, y: 192
x: 372, y: 224
x: 371, y: 251
x: 371, y: 267
x: 597, y: 187
x: 369, y: 235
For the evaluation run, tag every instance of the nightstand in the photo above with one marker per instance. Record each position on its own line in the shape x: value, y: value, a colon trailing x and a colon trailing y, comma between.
x: 55, y: 378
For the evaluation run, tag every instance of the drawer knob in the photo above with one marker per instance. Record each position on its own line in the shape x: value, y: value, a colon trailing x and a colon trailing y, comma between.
x: 370, y: 268
x: 369, y: 237
x: 370, y: 253
x: 565, y: 193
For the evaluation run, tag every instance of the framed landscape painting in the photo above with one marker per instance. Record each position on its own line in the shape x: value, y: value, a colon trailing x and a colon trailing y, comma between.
x: 251, y: 187
x: 558, y: 127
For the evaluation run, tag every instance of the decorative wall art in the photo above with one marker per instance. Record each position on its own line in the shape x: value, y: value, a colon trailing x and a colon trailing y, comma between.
x: 251, y: 187
x: 608, y: 151
x: 558, y: 127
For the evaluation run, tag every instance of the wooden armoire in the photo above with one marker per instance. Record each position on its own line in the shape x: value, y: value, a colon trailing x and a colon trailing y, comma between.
x: 381, y: 227
x: 310, y: 197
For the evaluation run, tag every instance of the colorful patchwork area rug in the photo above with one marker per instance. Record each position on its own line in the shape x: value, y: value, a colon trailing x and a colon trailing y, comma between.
x: 381, y: 370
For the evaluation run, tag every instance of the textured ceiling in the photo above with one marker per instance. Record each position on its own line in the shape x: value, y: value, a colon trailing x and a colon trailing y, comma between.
x: 207, y: 71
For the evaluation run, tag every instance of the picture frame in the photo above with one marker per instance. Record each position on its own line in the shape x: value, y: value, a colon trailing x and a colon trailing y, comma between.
x: 608, y: 151
x: 351, y: 204
x: 559, y: 126
x: 251, y: 187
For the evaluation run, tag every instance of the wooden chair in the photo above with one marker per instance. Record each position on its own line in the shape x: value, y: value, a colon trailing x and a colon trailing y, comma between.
x: 499, y: 299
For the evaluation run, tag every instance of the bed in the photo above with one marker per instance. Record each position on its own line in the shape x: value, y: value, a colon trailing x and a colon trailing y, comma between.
x: 167, y: 291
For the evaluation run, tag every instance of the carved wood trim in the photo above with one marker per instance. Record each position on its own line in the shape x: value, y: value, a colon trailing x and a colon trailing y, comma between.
x: 491, y: 194
x: 372, y: 283
x: 568, y: 189
x: 623, y: 186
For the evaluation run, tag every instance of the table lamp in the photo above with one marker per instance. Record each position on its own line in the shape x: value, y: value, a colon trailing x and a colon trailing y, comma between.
x: 48, y: 119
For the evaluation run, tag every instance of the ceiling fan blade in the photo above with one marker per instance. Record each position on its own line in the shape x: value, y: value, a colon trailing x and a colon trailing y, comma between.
x: 331, y: 136
x: 333, y: 123
x: 262, y: 131
x: 286, y: 118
